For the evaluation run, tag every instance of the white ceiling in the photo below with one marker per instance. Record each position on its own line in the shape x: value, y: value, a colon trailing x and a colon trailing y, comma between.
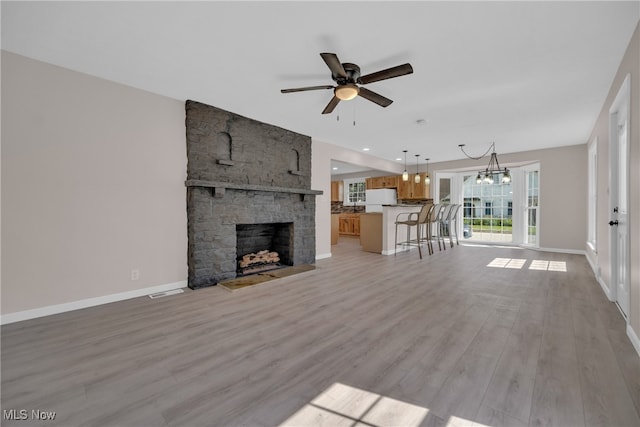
x: 523, y: 74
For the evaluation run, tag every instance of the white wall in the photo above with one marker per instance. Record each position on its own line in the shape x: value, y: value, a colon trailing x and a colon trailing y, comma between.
x: 92, y: 187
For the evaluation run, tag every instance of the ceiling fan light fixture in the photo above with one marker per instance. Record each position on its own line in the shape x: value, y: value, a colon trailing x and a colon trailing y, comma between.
x: 346, y: 92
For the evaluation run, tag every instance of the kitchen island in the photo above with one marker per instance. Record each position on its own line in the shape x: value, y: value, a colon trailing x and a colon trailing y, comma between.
x: 377, y: 230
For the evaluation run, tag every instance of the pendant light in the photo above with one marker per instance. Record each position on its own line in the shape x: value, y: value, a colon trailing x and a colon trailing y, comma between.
x: 416, y: 179
x: 405, y: 174
x: 427, y: 178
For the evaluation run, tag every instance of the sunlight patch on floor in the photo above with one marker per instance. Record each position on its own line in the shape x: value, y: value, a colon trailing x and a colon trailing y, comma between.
x: 516, y: 263
x: 558, y: 266
x: 343, y: 405
x: 536, y: 264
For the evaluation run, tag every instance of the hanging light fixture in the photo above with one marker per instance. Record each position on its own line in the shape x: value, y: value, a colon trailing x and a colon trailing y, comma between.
x: 492, y: 168
x: 405, y: 174
x: 427, y: 178
x: 416, y: 179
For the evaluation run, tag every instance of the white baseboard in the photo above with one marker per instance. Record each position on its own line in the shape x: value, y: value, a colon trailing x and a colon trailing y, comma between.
x: 593, y: 266
x: 85, y: 303
x: 605, y: 289
x: 400, y: 250
x: 323, y: 256
x: 562, y: 251
x: 634, y: 338
x: 596, y: 273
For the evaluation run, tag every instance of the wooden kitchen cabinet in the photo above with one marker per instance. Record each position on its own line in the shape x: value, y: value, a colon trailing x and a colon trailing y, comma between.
x: 390, y: 181
x: 349, y: 224
x: 337, y: 191
x: 409, y: 190
x: 335, y: 225
x: 382, y: 182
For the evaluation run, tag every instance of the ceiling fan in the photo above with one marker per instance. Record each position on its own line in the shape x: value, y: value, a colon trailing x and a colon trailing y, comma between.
x: 347, y: 76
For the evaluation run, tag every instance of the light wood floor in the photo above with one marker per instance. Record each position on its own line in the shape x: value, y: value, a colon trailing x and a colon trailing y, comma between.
x: 362, y: 340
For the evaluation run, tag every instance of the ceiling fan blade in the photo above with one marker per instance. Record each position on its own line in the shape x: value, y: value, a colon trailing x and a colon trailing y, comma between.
x: 302, y: 89
x: 389, y: 73
x: 331, y: 105
x: 332, y: 61
x: 374, y: 97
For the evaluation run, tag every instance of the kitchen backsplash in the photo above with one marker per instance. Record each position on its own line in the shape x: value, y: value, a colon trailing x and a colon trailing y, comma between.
x: 339, y: 207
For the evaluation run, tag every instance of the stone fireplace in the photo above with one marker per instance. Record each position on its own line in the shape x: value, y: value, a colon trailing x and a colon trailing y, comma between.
x: 248, y: 185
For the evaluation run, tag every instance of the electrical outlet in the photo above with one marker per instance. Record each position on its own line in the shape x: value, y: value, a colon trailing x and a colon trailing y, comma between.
x: 135, y: 274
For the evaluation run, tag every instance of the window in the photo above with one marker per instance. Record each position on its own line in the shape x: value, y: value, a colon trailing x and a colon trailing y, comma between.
x: 487, y: 208
x: 468, y: 206
x: 510, y: 209
x: 532, y: 182
x: 355, y: 191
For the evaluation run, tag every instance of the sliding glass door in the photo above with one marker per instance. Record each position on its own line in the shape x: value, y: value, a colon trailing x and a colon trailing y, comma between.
x: 488, y: 209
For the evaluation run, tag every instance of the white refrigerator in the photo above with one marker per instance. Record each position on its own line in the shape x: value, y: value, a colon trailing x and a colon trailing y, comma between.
x: 379, y: 197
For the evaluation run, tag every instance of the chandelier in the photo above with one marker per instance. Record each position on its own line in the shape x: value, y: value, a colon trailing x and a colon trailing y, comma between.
x: 492, y: 168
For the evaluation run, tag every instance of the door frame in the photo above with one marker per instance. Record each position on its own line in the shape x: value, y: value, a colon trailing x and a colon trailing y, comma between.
x: 455, y: 195
x: 620, y: 106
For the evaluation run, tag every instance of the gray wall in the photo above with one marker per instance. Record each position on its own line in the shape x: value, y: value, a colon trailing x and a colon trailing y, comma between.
x: 630, y: 65
x: 563, y: 191
x: 92, y: 187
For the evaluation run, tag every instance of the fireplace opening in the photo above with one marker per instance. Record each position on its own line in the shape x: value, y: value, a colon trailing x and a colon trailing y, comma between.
x: 263, y: 247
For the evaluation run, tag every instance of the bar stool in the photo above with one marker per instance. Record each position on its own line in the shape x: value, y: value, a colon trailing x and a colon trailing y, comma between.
x: 443, y: 225
x: 453, y: 224
x: 432, y: 227
x: 413, y: 219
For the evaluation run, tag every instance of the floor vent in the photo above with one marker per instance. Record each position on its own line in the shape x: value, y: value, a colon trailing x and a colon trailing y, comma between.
x: 165, y: 293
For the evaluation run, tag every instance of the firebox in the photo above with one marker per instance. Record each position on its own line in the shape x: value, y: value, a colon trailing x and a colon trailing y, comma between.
x: 261, y: 247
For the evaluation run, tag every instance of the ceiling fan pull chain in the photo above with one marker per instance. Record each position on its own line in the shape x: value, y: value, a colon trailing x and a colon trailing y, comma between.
x: 354, y: 114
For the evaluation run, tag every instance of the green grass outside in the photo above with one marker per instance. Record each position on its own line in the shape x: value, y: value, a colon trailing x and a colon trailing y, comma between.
x: 491, y: 229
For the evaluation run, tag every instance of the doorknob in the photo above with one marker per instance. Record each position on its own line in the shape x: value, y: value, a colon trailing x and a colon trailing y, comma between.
x: 612, y: 223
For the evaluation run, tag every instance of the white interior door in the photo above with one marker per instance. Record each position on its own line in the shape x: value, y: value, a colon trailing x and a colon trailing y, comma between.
x: 621, y: 229
x: 619, y: 124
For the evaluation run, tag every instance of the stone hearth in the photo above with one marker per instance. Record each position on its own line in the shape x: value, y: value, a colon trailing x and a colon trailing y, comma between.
x: 242, y: 172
